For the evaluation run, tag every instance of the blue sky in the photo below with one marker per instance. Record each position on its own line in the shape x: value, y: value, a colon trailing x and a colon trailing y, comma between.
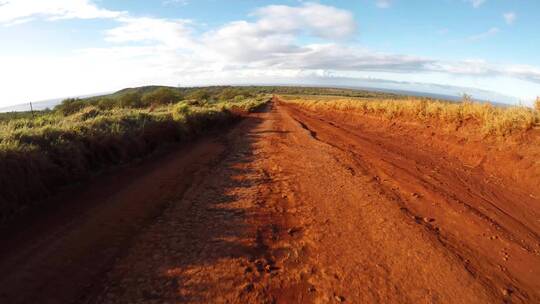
x: 60, y: 48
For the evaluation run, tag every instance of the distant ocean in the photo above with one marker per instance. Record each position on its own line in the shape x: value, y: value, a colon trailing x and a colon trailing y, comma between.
x: 42, y: 105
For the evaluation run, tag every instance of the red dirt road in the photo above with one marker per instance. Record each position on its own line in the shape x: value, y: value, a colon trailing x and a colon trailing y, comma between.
x: 290, y: 206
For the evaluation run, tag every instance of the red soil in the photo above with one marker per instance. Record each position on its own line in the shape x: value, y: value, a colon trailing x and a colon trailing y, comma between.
x: 293, y: 206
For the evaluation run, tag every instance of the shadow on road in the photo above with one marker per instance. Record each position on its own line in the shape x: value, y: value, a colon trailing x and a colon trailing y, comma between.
x: 213, y: 240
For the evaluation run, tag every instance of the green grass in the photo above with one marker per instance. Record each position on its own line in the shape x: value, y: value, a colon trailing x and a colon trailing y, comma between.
x: 39, y: 155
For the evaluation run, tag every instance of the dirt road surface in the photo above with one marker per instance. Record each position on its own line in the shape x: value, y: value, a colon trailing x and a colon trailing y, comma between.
x: 290, y: 206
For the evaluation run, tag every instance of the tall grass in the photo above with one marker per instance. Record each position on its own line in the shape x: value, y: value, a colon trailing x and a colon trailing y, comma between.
x: 40, y: 155
x: 489, y: 119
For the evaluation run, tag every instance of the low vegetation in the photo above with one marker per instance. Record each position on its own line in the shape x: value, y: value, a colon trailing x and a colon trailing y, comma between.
x: 490, y: 119
x: 42, y: 152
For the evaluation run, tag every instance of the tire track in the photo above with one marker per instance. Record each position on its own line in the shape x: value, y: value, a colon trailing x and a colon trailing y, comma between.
x: 485, y: 268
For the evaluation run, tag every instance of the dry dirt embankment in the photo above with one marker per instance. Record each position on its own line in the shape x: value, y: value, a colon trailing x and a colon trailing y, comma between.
x: 301, y: 207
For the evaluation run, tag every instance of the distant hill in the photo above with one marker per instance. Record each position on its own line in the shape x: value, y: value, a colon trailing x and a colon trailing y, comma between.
x: 278, y: 89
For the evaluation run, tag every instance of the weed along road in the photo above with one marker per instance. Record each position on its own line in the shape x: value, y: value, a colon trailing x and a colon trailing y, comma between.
x: 289, y: 206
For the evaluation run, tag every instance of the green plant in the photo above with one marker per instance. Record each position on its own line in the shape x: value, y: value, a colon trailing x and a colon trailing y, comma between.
x: 70, y: 106
x: 199, y: 94
x: 160, y: 96
x: 39, y: 154
x: 106, y: 103
x: 180, y: 110
x: 131, y: 100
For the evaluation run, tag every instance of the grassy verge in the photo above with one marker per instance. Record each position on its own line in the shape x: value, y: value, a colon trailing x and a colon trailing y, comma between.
x: 489, y: 119
x: 38, y: 155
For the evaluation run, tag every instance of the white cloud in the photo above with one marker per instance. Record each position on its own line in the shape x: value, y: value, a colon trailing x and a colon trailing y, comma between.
x: 481, y: 68
x: 244, y: 41
x: 489, y: 33
x: 476, y: 3
x: 149, y: 50
x: 19, y: 11
x: 383, y: 3
x: 340, y: 58
x: 509, y: 17
x: 320, y: 20
x: 171, y: 33
x: 265, y: 39
x: 525, y: 72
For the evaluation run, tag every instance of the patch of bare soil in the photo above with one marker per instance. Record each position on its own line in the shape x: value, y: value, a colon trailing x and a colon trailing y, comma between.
x: 300, y: 207
x: 58, y: 255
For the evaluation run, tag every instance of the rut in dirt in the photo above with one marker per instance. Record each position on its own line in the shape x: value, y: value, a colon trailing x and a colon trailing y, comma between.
x: 293, y: 206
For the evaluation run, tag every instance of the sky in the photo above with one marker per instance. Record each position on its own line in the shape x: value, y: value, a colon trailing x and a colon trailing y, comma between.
x: 65, y: 48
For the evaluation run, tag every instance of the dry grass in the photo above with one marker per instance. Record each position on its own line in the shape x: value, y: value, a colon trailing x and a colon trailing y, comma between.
x: 491, y: 120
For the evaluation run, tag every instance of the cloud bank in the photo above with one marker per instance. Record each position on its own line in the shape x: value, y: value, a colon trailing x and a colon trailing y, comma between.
x: 148, y: 50
x: 19, y: 11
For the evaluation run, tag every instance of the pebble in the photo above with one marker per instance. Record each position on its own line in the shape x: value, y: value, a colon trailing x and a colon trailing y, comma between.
x: 428, y: 220
x: 249, y: 287
x: 293, y: 230
x: 340, y: 298
x: 507, y: 292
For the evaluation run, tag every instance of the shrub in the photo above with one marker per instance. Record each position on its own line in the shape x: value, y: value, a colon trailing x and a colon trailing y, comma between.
x: 70, y: 106
x: 160, y: 96
x: 106, y: 103
x: 199, y: 94
x: 228, y: 94
x: 238, y: 98
x: 130, y: 100
x: 86, y: 113
x: 537, y: 104
x: 180, y: 110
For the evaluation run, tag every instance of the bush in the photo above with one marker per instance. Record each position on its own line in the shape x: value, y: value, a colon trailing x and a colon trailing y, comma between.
x: 106, y: 103
x: 180, y: 110
x: 70, y: 106
x: 199, y: 94
x: 537, y: 104
x: 160, y: 96
x: 86, y: 113
x: 228, y: 94
x: 130, y: 100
